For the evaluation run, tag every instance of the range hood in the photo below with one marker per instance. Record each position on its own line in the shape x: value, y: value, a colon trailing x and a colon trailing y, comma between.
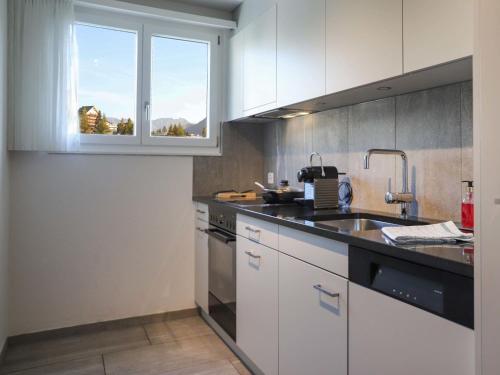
x: 282, y: 113
x: 440, y: 75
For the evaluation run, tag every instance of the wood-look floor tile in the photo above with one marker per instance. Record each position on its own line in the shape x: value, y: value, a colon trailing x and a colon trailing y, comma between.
x: 216, y: 345
x: 158, y: 359
x: 240, y: 367
x: 177, y: 329
x: 162, y: 358
x: 86, y: 366
x: 221, y: 367
x: 24, y: 356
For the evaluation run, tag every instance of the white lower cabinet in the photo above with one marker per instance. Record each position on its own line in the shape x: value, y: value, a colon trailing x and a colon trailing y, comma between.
x: 257, y: 304
x: 312, y: 320
x: 201, y: 265
x: 389, y: 337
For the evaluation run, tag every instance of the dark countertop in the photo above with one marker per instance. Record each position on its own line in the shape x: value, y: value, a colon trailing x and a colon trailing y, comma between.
x: 205, y: 200
x: 456, y: 258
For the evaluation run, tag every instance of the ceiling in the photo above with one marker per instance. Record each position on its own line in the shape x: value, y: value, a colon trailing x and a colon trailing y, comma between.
x: 225, y: 5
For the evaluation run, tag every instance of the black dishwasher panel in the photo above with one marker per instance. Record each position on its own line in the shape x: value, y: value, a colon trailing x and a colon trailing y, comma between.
x: 442, y: 293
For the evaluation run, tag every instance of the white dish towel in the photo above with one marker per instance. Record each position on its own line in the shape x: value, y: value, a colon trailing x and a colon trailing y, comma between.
x: 433, y: 233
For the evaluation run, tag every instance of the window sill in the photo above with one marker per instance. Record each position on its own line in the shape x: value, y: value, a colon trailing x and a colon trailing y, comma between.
x: 145, y: 150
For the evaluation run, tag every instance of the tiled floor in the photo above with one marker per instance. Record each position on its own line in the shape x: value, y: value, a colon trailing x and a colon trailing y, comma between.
x: 178, y: 347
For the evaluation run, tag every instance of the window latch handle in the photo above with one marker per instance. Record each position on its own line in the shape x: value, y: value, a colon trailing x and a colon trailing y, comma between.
x: 147, y: 108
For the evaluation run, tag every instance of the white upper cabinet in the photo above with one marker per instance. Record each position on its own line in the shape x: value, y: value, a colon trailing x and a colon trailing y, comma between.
x: 301, y: 50
x: 363, y: 42
x: 235, y: 80
x: 259, y: 64
x: 436, y: 31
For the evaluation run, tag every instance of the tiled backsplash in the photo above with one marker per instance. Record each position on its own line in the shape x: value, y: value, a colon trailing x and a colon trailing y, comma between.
x: 434, y: 128
x: 242, y: 162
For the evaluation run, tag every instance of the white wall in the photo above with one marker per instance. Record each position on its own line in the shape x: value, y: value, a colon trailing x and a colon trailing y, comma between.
x: 249, y: 10
x: 4, y: 175
x: 180, y: 6
x: 487, y: 159
x: 98, y: 238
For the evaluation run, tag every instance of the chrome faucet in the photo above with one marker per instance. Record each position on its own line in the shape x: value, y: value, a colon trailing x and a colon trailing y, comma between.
x: 405, y: 197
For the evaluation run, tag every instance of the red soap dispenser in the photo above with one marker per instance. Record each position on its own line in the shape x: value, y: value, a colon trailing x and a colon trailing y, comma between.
x: 468, y: 206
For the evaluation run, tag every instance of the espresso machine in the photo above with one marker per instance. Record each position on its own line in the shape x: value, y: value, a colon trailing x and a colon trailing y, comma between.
x: 321, y: 184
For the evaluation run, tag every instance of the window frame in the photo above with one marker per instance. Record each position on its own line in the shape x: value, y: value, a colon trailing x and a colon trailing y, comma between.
x: 180, y: 32
x: 119, y: 24
x: 142, y: 142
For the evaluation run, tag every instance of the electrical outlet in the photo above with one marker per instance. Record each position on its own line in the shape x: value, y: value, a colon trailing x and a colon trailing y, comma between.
x: 270, y: 178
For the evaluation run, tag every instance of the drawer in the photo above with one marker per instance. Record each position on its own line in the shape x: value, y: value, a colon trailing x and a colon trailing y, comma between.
x: 201, y: 225
x: 257, y: 230
x: 257, y: 304
x: 201, y: 211
x: 325, y: 253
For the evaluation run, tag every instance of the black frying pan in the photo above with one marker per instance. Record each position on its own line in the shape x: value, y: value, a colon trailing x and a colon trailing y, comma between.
x: 273, y: 196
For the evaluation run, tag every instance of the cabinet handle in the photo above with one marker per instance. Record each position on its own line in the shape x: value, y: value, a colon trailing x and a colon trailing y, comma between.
x: 201, y: 230
x: 249, y: 253
x: 252, y: 230
x: 328, y: 293
x: 201, y: 212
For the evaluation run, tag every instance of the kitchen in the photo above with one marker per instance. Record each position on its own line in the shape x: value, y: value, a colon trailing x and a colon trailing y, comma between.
x: 258, y: 186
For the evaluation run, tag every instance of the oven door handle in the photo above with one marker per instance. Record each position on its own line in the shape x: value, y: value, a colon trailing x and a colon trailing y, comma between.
x: 221, y: 236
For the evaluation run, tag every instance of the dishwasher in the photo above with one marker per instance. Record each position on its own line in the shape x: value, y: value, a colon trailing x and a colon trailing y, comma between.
x: 405, y: 318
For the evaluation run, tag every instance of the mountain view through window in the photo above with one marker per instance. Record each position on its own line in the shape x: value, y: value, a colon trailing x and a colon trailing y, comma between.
x: 179, y: 87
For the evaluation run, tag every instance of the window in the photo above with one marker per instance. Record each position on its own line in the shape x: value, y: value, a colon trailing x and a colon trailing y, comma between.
x: 107, y: 71
x: 145, y: 83
x: 179, y: 87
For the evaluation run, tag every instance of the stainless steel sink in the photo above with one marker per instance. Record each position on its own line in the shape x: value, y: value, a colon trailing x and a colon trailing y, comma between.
x: 356, y: 225
x: 357, y: 222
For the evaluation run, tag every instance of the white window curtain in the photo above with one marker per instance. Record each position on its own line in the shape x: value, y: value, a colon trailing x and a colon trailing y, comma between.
x: 42, y: 76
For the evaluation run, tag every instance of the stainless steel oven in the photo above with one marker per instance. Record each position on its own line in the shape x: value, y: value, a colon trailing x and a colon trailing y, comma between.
x: 222, y: 267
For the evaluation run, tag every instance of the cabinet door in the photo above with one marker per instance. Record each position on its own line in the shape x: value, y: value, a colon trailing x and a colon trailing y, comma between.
x: 363, y: 42
x: 389, y: 337
x: 201, y: 267
x: 259, y: 62
x: 235, y: 81
x: 301, y: 50
x: 436, y: 31
x: 257, y: 304
x: 312, y: 324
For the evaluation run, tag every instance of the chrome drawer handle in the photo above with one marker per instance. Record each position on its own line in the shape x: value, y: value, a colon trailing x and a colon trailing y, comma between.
x: 201, y: 212
x: 328, y: 293
x: 249, y: 253
x: 252, y: 230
